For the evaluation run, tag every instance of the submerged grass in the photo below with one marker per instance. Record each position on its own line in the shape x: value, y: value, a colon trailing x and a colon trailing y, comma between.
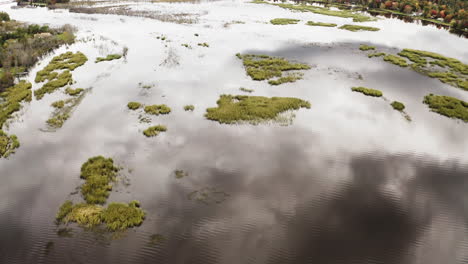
x: 399, y: 106
x: 179, y: 174
x: 320, y: 24
x: 284, y: 21
x: 263, y: 67
x: 447, y: 106
x: 366, y: 47
x: 108, y: 58
x: 367, y: 91
x: 355, y: 28
x: 157, y: 109
x: 98, y: 172
x: 64, y: 108
x: 154, y: 130
x: 252, y: 109
x: 133, y: 105
x: 246, y: 90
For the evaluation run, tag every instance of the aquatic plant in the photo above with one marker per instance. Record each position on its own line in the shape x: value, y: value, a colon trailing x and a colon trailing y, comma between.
x: 366, y: 47
x: 326, y: 11
x: 121, y: 216
x: 289, y: 78
x: 376, y: 54
x: 180, y: 174
x: 246, y: 90
x: 157, y: 109
x: 320, y: 24
x: 108, y: 58
x: 73, y: 92
x: 189, y: 108
x: 395, y: 60
x: 204, y: 44
x: 355, y: 28
x: 98, y: 173
x: 64, y: 109
x: 58, y: 104
x: 252, y: 109
x: 66, y: 61
x: 61, y: 80
x: 208, y: 195
x: 87, y: 215
x: 447, y: 106
x: 263, y: 67
x: 367, y: 91
x: 398, y: 105
x: 11, y: 98
x: 186, y: 45
x: 8, y: 144
x: 284, y: 21
x: 154, y: 130
x: 133, y: 105
x: 64, y: 210
x: 156, y: 238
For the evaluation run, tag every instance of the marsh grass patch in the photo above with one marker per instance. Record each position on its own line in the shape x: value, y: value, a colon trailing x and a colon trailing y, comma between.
x: 447, y: 106
x: 153, y: 131
x: 367, y: 91
x: 284, y: 21
x: 320, y: 24
x: 263, y: 67
x: 252, y: 109
x: 109, y: 57
x: 356, y: 28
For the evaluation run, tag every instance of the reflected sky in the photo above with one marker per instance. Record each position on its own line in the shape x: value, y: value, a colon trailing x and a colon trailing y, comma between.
x: 351, y: 181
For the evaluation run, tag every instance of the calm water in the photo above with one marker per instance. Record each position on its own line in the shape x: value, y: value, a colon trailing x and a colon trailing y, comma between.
x: 350, y: 181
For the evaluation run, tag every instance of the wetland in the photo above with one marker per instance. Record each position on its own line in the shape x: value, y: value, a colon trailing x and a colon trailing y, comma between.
x: 232, y: 132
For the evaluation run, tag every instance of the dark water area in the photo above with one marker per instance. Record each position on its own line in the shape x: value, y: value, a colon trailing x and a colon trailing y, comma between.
x: 349, y: 181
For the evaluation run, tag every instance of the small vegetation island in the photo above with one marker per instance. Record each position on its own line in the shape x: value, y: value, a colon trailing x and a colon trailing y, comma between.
x: 153, y: 131
x: 367, y: 91
x: 356, y: 28
x: 189, y: 108
x: 448, y: 70
x: 252, y: 109
x: 284, y: 21
x: 446, y: 13
x: 99, y: 173
x: 65, y: 63
x: 447, y: 106
x: 10, y: 102
x: 109, y: 57
x: 320, y: 24
x: 263, y: 67
x: 399, y: 106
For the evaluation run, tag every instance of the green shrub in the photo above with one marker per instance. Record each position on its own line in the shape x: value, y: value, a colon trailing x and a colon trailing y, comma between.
x: 4, y: 16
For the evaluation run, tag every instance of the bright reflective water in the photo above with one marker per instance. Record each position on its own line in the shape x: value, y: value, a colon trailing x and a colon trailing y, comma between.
x: 350, y: 181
